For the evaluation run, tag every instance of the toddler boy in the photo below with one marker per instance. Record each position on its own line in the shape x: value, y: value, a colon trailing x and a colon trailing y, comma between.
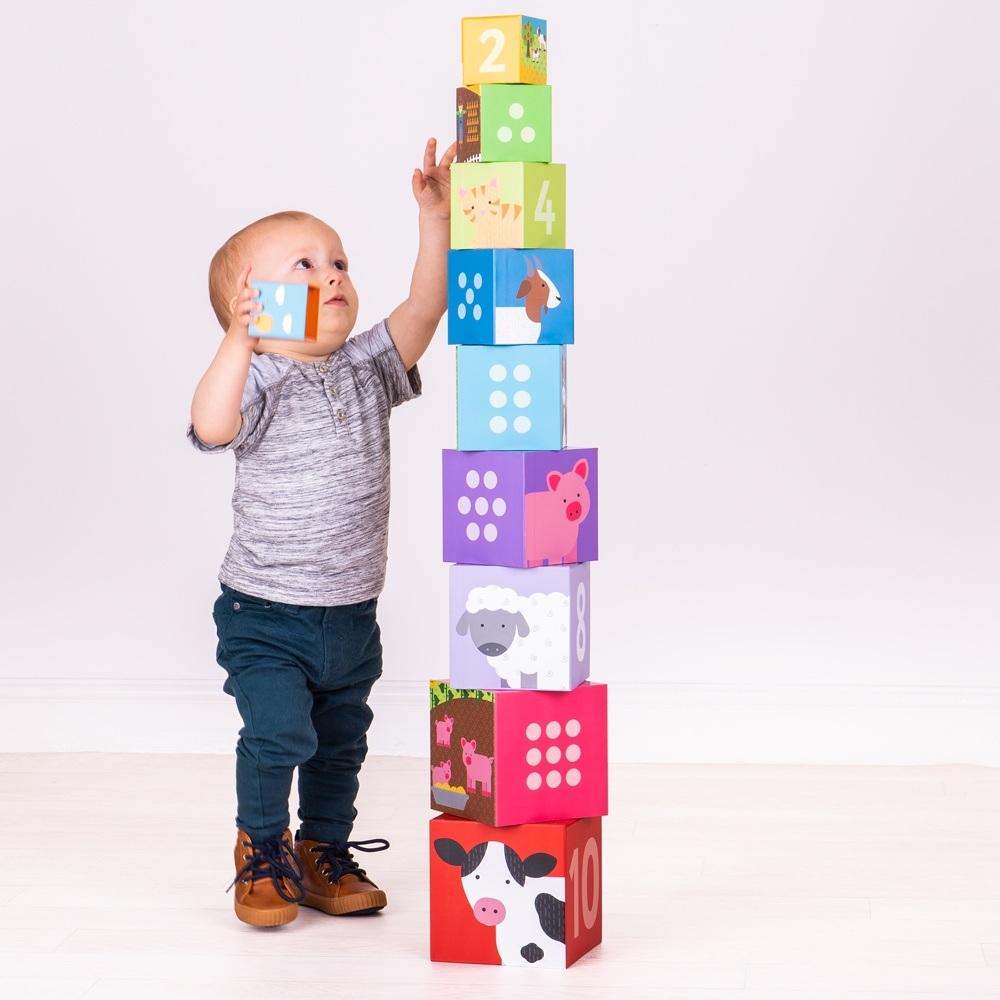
x: 308, y: 422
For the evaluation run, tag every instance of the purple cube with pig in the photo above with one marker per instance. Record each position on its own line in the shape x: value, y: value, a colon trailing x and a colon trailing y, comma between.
x: 520, y: 508
x: 526, y: 629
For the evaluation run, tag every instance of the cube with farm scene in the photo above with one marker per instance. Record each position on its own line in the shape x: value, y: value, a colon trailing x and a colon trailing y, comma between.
x: 505, y: 757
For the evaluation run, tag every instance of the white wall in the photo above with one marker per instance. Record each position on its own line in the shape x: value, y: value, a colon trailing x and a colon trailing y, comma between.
x: 787, y: 225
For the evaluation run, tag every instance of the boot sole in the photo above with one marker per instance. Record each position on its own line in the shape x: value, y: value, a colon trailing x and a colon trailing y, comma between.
x: 355, y: 905
x: 266, y: 918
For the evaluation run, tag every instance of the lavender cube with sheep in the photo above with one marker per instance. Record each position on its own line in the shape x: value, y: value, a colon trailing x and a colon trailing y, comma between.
x: 526, y: 629
x: 510, y: 297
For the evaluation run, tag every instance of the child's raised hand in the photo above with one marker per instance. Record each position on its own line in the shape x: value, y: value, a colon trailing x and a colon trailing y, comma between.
x: 243, y: 307
x: 432, y: 185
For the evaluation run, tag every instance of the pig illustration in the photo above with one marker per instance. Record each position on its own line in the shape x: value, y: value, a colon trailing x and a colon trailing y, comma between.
x: 441, y: 773
x: 478, y: 769
x: 552, y: 518
x: 442, y: 731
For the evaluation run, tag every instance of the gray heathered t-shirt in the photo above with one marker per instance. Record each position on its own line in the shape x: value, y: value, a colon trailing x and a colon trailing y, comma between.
x: 311, y: 500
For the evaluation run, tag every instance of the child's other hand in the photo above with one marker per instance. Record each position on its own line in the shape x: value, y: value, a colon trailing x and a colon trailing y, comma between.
x: 244, y: 305
x: 432, y: 185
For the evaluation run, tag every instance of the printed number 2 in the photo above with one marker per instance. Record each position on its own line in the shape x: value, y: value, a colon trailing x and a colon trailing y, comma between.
x: 587, y: 887
x: 490, y: 64
x: 543, y: 210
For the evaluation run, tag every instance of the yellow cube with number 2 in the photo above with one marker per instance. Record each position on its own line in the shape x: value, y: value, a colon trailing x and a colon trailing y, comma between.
x: 510, y: 49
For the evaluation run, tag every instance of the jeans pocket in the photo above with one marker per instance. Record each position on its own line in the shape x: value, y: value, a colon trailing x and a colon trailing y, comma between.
x: 239, y: 601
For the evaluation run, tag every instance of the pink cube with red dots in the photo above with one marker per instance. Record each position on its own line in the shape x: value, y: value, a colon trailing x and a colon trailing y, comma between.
x: 507, y: 757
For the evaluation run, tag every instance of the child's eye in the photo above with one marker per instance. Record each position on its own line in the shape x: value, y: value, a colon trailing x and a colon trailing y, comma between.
x: 340, y: 265
x: 303, y: 260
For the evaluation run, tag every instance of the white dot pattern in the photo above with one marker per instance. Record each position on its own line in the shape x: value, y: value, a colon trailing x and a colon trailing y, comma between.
x: 521, y: 399
x: 553, y: 755
x: 462, y: 309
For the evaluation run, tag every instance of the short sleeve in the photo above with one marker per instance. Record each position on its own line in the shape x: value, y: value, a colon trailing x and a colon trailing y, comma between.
x: 376, y: 350
x: 256, y: 411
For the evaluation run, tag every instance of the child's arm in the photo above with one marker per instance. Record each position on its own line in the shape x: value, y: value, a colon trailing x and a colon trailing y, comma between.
x: 413, y: 322
x: 215, y: 409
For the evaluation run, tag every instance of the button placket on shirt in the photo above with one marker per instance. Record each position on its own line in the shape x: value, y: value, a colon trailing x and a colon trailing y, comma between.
x: 332, y: 393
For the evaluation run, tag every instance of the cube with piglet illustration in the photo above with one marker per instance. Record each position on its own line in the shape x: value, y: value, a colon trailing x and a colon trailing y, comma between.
x: 508, y: 757
x: 520, y: 508
x: 510, y: 297
x: 526, y: 895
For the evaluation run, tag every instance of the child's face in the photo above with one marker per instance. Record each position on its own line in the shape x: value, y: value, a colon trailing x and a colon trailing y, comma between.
x: 310, y: 252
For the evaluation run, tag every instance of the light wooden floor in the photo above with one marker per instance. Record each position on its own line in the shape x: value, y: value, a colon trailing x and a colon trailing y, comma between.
x: 756, y: 883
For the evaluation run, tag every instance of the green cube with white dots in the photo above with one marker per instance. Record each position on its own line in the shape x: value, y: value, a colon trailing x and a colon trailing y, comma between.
x: 504, y: 122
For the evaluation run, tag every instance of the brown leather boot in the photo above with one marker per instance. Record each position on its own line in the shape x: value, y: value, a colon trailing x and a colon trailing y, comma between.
x: 268, y: 881
x: 333, y: 881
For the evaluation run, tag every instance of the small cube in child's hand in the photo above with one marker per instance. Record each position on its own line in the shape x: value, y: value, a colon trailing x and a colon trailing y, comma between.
x: 288, y: 311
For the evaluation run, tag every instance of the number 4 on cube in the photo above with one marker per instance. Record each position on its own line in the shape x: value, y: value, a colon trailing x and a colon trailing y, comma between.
x: 508, y: 205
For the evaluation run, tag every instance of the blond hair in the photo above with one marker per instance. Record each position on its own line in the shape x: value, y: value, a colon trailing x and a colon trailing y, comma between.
x: 230, y: 259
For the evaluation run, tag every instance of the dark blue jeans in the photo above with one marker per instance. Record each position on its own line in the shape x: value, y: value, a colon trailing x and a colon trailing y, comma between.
x: 301, y: 678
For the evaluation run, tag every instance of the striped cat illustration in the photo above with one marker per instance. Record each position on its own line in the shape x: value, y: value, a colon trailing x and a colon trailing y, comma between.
x: 497, y: 223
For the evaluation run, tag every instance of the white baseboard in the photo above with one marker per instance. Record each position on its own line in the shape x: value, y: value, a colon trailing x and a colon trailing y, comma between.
x: 663, y: 722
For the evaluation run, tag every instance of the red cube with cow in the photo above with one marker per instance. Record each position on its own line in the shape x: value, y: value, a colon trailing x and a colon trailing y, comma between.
x: 518, y: 895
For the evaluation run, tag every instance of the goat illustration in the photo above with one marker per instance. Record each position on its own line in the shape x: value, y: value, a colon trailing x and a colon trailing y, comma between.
x: 523, y: 324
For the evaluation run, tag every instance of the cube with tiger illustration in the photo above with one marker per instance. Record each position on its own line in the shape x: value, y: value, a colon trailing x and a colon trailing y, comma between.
x: 527, y: 895
x: 499, y: 122
x: 508, y: 205
x: 507, y: 757
x: 510, y: 48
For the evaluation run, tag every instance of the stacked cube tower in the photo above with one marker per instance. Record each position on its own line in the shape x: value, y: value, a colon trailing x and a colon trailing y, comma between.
x: 518, y: 734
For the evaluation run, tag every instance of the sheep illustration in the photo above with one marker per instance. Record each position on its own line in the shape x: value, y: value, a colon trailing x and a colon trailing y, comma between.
x: 523, y: 324
x: 524, y: 639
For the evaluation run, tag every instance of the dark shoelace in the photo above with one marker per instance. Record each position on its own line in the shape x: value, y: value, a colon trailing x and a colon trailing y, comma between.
x: 337, y: 856
x: 273, y: 859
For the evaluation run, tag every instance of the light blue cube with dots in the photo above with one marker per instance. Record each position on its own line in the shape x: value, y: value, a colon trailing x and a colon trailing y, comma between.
x: 511, y: 398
